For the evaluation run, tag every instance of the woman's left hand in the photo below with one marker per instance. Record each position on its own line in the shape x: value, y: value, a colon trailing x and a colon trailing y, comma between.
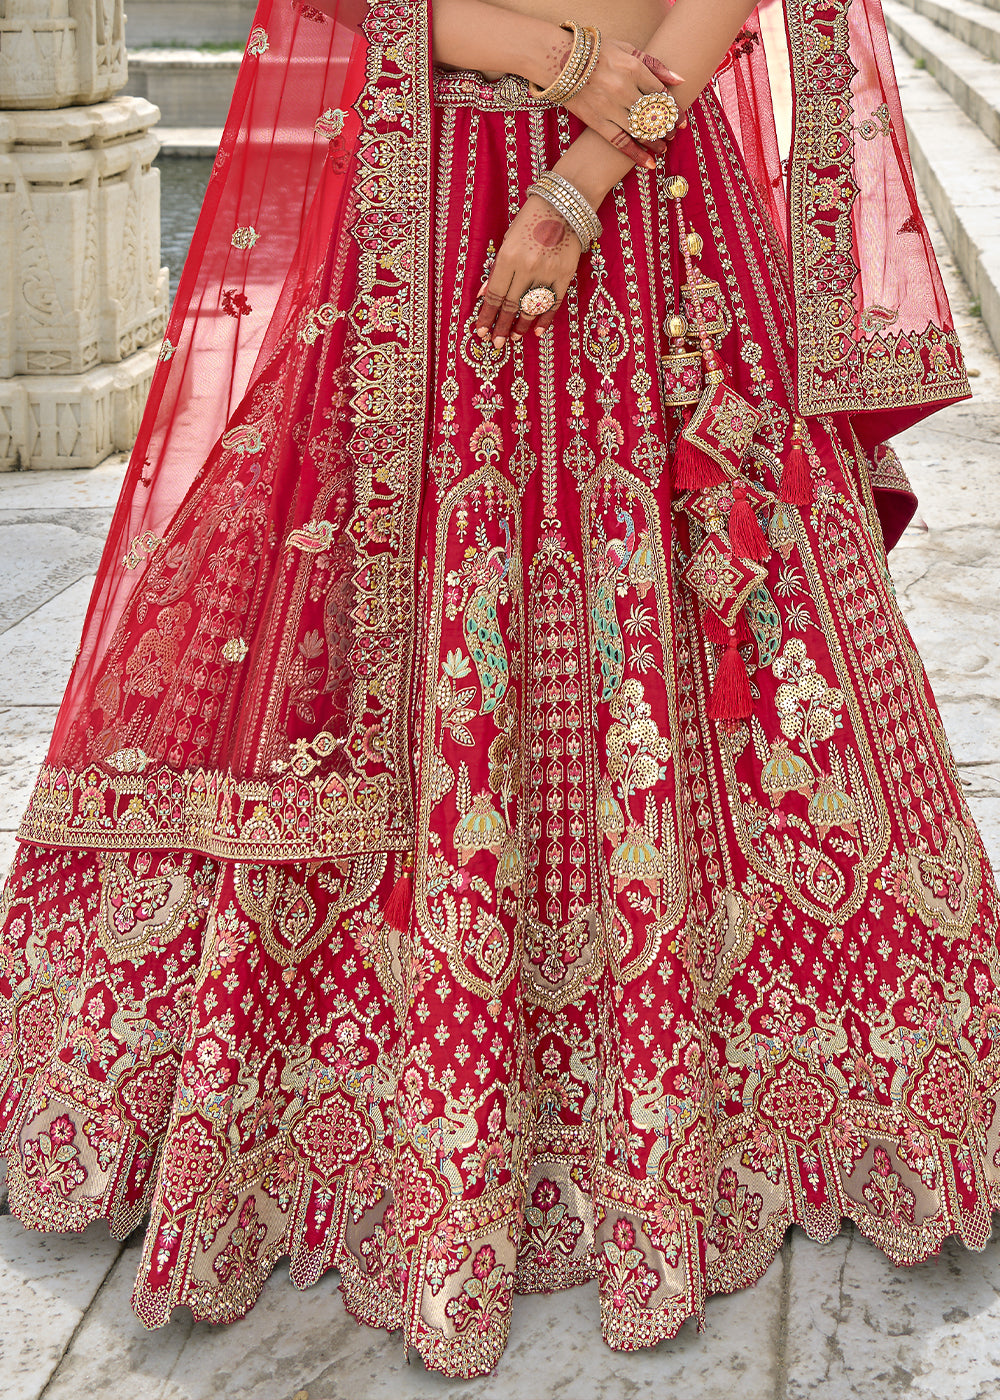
x: 624, y: 74
x: 540, y: 250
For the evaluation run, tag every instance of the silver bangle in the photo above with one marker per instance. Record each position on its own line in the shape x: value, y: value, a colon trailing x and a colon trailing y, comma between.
x: 570, y: 191
x: 568, y: 202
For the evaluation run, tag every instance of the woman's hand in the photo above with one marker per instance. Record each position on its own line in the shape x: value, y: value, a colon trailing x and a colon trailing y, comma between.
x: 540, y: 250
x: 623, y: 74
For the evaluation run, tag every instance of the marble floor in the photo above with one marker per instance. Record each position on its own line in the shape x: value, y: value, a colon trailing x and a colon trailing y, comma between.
x: 827, y: 1321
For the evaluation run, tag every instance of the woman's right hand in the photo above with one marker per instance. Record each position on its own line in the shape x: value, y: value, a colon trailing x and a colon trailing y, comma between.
x: 623, y: 74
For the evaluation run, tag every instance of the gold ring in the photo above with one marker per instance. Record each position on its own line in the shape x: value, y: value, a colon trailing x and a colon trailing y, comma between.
x: 537, y: 300
x: 653, y: 116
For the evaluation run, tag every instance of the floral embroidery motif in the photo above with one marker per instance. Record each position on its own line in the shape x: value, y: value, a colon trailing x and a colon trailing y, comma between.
x: 140, y: 549
x: 52, y: 1161
x: 629, y: 1280
x: 235, y: 304
x: 721, y: 580
x: 316, y: 321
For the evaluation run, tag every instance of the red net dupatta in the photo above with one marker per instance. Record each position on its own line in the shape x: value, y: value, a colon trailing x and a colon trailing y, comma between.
x: 874, y: 331
x: 316, y: 212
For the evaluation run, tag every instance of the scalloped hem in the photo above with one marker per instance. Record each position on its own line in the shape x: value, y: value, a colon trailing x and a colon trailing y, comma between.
x: 372, y: 1304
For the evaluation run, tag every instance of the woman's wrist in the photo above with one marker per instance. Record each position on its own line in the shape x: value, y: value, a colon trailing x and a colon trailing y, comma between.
x: 471, y: 34
x: 546, y: 47
x: 593, y: 167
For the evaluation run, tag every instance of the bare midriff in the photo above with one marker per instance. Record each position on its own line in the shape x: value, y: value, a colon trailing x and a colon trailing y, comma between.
x: 635, y: 21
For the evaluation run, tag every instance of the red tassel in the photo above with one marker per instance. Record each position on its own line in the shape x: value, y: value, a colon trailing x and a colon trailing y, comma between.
x: 731, y: 699
x: 719, y: 632
x: 745, y: 535
x: 796, y: 481
x: 397, y: 907
x: 693, y: 471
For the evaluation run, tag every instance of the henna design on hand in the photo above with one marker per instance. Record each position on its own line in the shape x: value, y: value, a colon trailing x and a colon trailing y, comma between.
x: 622, y: 141
x: 656, y: 67
x: 548, y: 233
x: 557, y: 58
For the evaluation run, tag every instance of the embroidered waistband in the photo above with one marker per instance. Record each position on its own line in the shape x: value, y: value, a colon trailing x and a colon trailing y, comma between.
x: 461, y: 88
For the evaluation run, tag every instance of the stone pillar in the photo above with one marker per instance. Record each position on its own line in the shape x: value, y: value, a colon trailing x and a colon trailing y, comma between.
x: 83, y: 299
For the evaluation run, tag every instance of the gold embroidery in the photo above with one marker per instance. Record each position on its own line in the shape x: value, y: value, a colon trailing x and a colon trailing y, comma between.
x: 313, y: 538
x: 129, y: 760
x: 878, y: 124
x: 317, y: 320
x: 245, y: 237
x: 141, y: 549
x: 838, y: 371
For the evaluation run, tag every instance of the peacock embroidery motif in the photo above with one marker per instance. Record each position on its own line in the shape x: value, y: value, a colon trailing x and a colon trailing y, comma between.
x: 611, y: 568
x: 485, y: 577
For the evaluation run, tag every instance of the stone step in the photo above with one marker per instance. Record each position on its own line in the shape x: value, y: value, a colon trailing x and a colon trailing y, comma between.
x: 971, y: 21
x: 191, y: 87
x: 972, y: 80
x: 958, y: 166
x: 189, y: 140
x: 162, y: 21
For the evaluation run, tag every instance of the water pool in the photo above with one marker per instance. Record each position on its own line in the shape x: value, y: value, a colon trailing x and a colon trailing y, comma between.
x: 182, y: 188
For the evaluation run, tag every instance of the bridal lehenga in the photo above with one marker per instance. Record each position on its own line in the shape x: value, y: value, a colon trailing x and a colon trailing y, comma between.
x: 496, y: 838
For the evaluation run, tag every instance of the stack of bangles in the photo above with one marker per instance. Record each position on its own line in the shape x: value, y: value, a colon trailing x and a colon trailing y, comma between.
x: 570, y: 204
x: 579, y: 67
x: 653, y: 116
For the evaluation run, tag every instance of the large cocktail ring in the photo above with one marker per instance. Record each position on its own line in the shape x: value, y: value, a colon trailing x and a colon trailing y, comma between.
x: 653, y: 116
x: 537, y: 300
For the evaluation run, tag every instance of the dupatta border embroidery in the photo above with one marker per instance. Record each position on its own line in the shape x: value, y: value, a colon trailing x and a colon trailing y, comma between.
x: 845, y: 364
x: 399, y: 151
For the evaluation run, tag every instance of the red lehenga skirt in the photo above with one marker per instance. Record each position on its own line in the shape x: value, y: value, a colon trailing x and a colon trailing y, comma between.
x: 668, y: 986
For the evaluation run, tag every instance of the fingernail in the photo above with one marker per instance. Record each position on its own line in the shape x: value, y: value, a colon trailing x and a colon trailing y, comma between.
x: 650, y: 164
x: 675, y: 76
x: 482, y: 290
x: 515, y: 336
x: 499, y: 341
x: 482, y: 332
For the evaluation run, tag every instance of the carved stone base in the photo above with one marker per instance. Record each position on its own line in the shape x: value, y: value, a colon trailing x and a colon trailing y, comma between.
x: 80, y: 222
x: 73, y: 420
x: 61, y: 51
x: 83, y: 299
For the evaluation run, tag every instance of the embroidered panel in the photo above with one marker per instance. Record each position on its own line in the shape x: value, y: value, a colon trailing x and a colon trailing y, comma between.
x: 855, y: 355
